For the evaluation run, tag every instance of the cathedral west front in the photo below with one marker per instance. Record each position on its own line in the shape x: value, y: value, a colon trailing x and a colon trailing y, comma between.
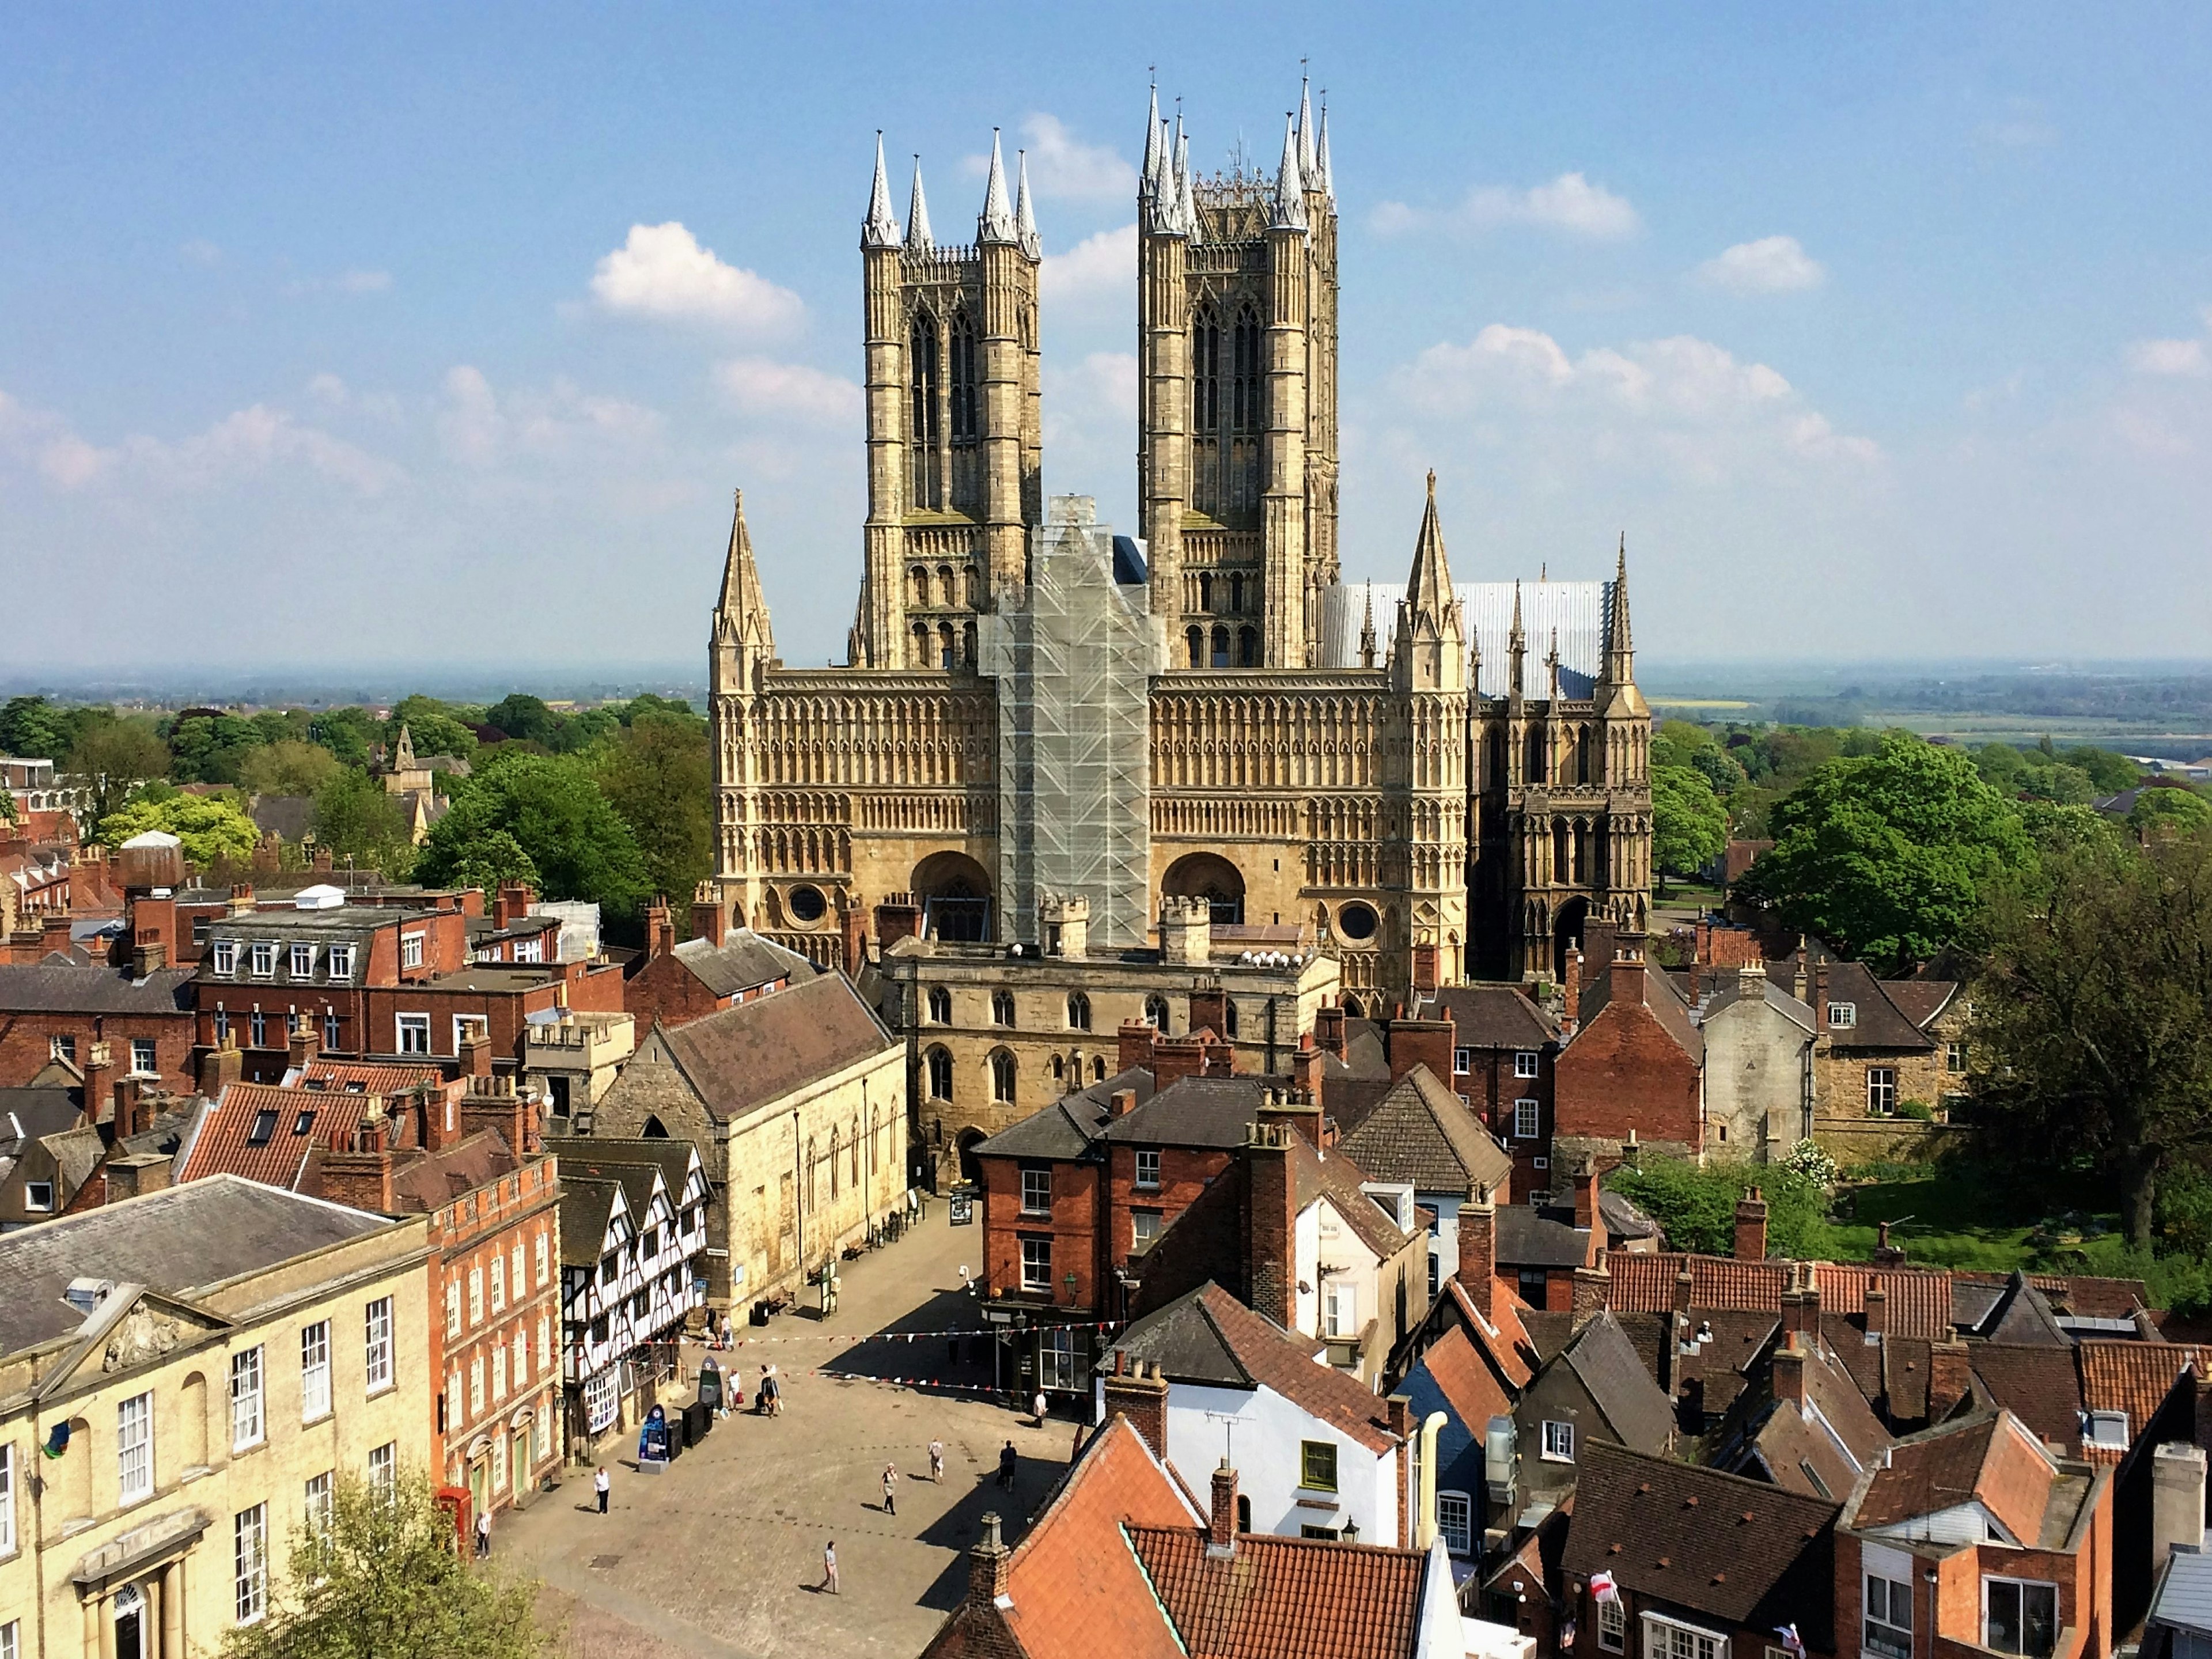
x: 1430, y: 782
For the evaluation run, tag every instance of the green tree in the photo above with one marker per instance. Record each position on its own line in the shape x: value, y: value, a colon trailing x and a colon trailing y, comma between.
x: 356, y: 819
x: 349, y: 733
x: 1689, y: 825
x: 208, y: 748
x: 525, y: 717
x: 1695, y: 1203
x: 383, y: 1577
x: 213, y: 828
x: 115, y: 757
x: 1887, y: 855
x: 554, y: 808
x: 2184, y: 809
x: 2089, y: 1030
x: 31, y: 728
x: 490, y: 861
x: 658, y: 776
x: 433, y: 727
x: 291, y: 767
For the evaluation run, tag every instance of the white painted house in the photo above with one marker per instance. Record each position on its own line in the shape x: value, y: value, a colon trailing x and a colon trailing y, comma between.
x: 1317, y: 1454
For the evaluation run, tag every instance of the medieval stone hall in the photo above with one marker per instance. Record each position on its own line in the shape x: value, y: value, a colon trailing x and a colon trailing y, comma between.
x: 1429, y: 782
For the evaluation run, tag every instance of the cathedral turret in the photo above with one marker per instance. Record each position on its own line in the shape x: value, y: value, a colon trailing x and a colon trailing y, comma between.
x: 1615, y: 693
x: 1164, y: 381
x: 1516, y: 648
x: 918, y: 239
x: 1290, y: 184
x: 879, y: 229
x: 1283, y: 506
x: 739, y: 655
x: 1025, y: 230
x: 1367, y: 630
x: 1428, y: 672
x: 996, y: 222
x: 1148, y: 185
x: 1309, y: 161
x: 1324, y: 179
x: 1426, y: 655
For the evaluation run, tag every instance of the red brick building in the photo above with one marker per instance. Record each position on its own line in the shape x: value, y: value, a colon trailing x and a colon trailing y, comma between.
x: 1634, y: 1066
x: 466, y: 1152
x: 56, y: 1010
x: 718, y: 967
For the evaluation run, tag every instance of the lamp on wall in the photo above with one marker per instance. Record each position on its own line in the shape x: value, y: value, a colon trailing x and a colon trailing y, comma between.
x: 1351, y: 1533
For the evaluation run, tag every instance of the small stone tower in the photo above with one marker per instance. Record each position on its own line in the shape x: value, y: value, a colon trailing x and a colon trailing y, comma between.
x: 955, y: 444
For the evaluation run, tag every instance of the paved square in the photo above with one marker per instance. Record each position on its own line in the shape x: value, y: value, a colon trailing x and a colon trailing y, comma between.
x: 723, y: 1553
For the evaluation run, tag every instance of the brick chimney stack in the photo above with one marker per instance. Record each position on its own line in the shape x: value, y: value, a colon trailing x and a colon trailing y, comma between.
x: 1572, y: 988
x: 1306, y: 1069
x: 475, y: 1055
x: 1271, y: 1222
x: 1478, y: 1246
x: 1750, y: 1226
x: 221, y: 1067
x: 659, y: 928
x: 134, y: 1113
x: 1627, y: 974
x: 1789, y: 1371
x: 1877, y: 1312
x: 495, y: 1102
x: 1209, y: 1009
x: 987, y: 1565
x: 1140, y: 1393
x: 1586, y: 1216
x: 1221, y: 1521
x: 510, y: 905
x: 1820, y: 998
x: 1415, y: 1042
x: 1134, y: 1043
x: 303, y: 1045
x: 361, y: 1177
x: 1120, y: 1103
x: 708, y: 918
x: 1328, y: 1029
x: 99, y: 1075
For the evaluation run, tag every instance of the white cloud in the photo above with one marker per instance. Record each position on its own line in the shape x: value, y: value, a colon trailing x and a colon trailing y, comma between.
x: 1772, y: 264
x: 1687, y: 405
x: 1097, y: 275
x: 1063, y: 169
x: 1571, y: 203
x: 481, y: 427
x: 2174, y: 359
x: 248, y: 443
x: 663, y: 273
x: 767, y: 390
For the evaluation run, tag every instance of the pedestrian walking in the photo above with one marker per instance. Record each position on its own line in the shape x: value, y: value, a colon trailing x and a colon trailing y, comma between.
x: 829, y: 1566
x: 772, y: 1392
x: 1010, y: 1461
x: 1037, y: 1407
x: 936, y: 1460
x: 890, y: 1489
x: 483, y: 1534
x: 599, y: 1485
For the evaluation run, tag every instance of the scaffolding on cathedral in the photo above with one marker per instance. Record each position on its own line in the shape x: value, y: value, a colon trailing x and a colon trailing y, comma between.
x: 1074, y: 662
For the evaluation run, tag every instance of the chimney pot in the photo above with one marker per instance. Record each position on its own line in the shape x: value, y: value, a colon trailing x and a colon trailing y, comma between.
x: 1221, y: 1521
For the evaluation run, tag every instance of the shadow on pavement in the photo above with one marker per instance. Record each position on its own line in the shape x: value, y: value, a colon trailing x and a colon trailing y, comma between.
x: 960, y: 1527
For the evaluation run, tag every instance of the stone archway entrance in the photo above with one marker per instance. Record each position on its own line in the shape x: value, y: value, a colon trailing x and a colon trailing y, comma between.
x: 1212, y: 878
x: 953, y: 893
x: 1567, y: 930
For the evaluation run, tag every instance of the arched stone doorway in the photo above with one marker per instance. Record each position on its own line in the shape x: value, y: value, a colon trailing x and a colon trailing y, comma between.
x: 1567, y: 931
x: 970, y: 1169
x: 954, y: 894
x: 1212, y: 878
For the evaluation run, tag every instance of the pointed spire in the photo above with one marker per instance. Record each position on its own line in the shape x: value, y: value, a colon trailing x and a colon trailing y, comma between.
x: 1619, y: 644
x: 1148, y: 186
x: 1186, y: 197
x: 1025, y: 230
x: 1367, y: 631
x: 1552, y: 666
x: 997, y: 222
x: 743, y: 615
x: 1429, y: 590
x: 1307, y: 163
x: 879, y: 229
x: 1324, y: 179
x: 1517, y: 646
x: 1290, y: 184
x: 918, y: 239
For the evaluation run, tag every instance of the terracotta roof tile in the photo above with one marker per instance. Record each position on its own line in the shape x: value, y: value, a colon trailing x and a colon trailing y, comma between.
x: 1465, y: 1380
x: 2135, y: 1377
x: 1282, y: 1598
x: 2036, y: 1383
x: 1272, y: 1356
x: 268, y: 1134
x: 1992, y: 1457
x: 1917, y: 1300
x: 368, y: 1077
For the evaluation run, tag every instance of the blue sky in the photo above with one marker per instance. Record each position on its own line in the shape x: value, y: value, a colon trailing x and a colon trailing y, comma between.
x: 376, y: 335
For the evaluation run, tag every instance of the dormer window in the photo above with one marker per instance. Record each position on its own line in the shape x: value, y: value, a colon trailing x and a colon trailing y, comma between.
x: 1843, y: 1015
x: 341, y: 961
x: 264, y: 961
x: 226, y: 956
x: 303, y: 962
x: 2109, y: 1428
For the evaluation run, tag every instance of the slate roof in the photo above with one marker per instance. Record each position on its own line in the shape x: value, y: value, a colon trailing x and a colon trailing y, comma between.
x: 1493, y: 1017
x: 1420, y: 1133
x: 1879, y: 1023
x: 176, y: 1240
x: 741, y: 1058
x: 1798, y: 1453
x: 1208, y: 1336
x: 1195, y: 1111
x: 1063, y: 1131
x: 1283, y: 1598
x: 2183, y: 1599
x: 1635, y: 1409
x: 742, y: 961
x: 1525, y: 1236
x: 2038, y: 1382
x: 1775, y: 996
x: 29, y: 1114
x: 1741, y: 1551
x: 1920, y: 1000
x: 53, y: 987
x: 585, y: 1209
x: 596, y: 1158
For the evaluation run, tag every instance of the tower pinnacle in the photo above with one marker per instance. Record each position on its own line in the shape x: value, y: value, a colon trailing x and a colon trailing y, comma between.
x: 879, y: 229
x: 1290, y: 183
x: 1429, y: 590
x: 1308, y: 162
x: 742, y: 617
x: 1321, y: 181
x: 1148, y: 186
x: 1619, y: 645
x: 997, y: 222
x: 1025, y: 230
x: 918, y: 239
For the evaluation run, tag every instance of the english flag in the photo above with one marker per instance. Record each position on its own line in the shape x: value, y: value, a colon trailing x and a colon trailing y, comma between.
x: 1602, y: 1587
x: 1791, y: 1640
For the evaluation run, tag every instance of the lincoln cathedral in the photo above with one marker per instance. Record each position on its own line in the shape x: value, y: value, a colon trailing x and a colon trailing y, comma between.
x: 1432, y: 781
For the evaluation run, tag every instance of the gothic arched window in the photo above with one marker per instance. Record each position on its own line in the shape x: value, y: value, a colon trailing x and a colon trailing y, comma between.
x: 1245, y: 358
x: 923, y: 430
x: 947, y: 652
x: 1002, y: 1007
x: 964, y: 422
x: 1196, y: 639
x: 1221, y: 647
x: 1079, y: 1011
x: 1205, y: 589
x: 1002, y: 1078
x: 1205, y: 372
x: 1155, y: 1012
x: 1236, y: 591
x: 941, y: 1074
x: 1247, y: 647
x: 940, y: 1005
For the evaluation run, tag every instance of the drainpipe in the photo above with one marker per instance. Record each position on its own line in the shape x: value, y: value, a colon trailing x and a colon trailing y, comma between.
x: 1425, y: 1519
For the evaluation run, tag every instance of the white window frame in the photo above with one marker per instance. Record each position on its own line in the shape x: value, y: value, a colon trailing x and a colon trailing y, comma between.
x: 225, y: 954
x: 1462, y: 1060
x: 454, y: 1308
x: 1043, y: 1178
x: 339, y: 962
x: 1340, y: 1308
x: 249, y: 1562
x: 544, y: 1258
x: 476, y: 1385
x: 404, y: 1026
x: 11, y: 1639
x: 33, y: 1202
x: 498, y: 1372
x: 319, y: 1501
x: 1559, y: 1442
x: 145, y: 1056
x: 1036, y: 1272
x: 1527, y: 1119
x: 1612, y: 1625
x: 1148, y: 1158
x: 2108, y: 1429
x: 469, y: 1025
x: 1881, y: 1091
x: 1527, y: 1063
x: 602, y: 1404
x: 2023, y: 1585
x: 1455, y: 1521
x: 1674, y: 1639
x: 476, y: 1295
x: 1144, y: 1230
x: 1843, y: 1015
x: 499, y: 1283
x: 315, y: 1370
x: 249, y: 1421
x: 411, y: 948
x: 134, y: 1448
x: 377, y: 1333
x: 7, y: 1500
x: 302, y: 961
x: 383, y: 1468
x: 262, y: 957
x: 1885, y: 1638
x: 531, y: 949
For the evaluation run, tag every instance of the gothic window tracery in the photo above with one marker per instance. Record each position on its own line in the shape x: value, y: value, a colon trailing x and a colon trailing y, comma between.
x: 924, y: 429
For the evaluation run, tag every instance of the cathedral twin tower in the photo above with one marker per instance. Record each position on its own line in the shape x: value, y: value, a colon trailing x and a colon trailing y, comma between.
x: 1426, y: 816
